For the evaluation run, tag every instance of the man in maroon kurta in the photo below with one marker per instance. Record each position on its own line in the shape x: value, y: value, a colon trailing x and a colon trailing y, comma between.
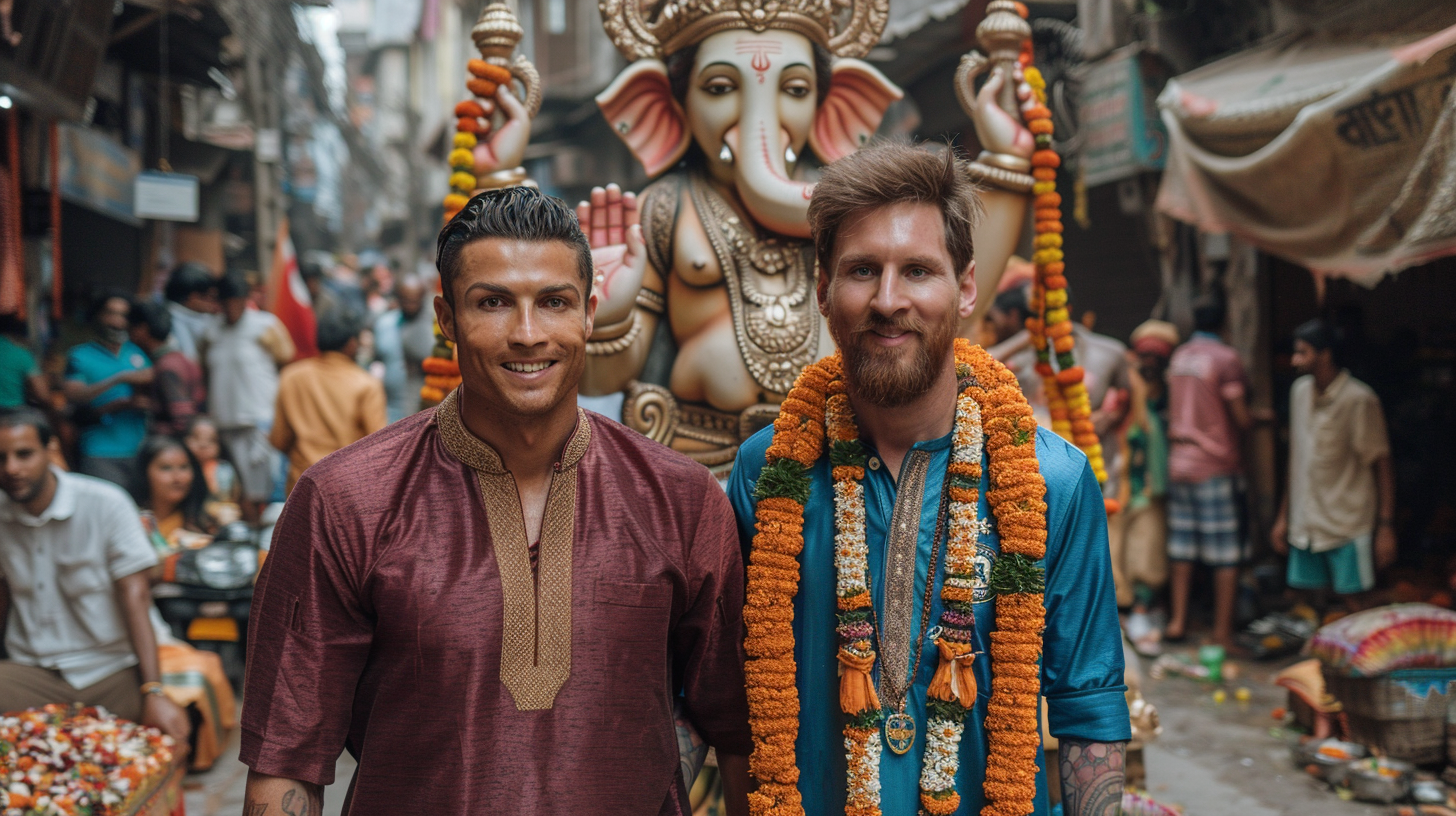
x: 499, y: 626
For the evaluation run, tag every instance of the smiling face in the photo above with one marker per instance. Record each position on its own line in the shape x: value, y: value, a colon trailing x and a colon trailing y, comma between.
x: 169, y: 477
x: 744, y: 83
x: 520, y: 319
x: 202, y: 441
x: 893, y: 300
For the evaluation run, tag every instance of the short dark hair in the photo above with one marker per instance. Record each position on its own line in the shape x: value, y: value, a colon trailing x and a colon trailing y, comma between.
x: 309, y: 269
x: 336, y: 327
x: 101, y: 298
x: 1209, y: 313
x: 1323, y: 335
x: 152, y: 315
x: 188, y: 279
x: 1012, y: 300
x: 893, y: 173
x: 231, y: 287
x: 520, y: 213
x: 21, y: 415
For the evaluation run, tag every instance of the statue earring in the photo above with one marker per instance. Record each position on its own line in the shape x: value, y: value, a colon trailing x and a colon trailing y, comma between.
x: 725, y: 155
x: 789, y: 156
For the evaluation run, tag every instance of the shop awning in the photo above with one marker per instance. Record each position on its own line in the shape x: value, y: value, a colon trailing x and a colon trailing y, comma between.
x: 1335, y: 152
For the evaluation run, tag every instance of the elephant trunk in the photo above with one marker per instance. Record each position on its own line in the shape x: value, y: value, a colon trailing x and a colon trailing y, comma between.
x: 775, y: 201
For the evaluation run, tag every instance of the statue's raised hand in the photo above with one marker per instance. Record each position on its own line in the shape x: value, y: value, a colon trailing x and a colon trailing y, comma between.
x: 505, y: 147
x: 618, y: 253
x: 999, y: 130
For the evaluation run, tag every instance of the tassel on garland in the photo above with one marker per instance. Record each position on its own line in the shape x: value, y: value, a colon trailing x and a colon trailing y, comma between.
x: 955, y: 680
x: 856, y: 688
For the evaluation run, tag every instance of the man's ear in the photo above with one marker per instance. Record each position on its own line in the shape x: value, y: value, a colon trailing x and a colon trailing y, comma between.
x: 445, y: 318
x: 591, y: 312
x: 968, y: 291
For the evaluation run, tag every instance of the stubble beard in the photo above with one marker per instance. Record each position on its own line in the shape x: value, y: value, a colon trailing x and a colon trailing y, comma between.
x: 887, y: 377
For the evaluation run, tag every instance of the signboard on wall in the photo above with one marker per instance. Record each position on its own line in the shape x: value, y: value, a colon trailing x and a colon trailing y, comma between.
x: 1124, y: 134
x: 98, y: 172
x: 166, y: 196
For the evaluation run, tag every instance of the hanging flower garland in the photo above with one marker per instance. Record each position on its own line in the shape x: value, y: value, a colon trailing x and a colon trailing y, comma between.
x: 1051, y: 326
x: 818, y: 406
x: 471, y: 123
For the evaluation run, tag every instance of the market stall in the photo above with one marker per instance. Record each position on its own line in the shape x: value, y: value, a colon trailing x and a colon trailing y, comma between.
x: 67, y: 760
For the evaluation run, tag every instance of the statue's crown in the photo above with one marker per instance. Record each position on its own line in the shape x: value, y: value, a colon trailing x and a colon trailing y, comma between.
x: 643, y: 29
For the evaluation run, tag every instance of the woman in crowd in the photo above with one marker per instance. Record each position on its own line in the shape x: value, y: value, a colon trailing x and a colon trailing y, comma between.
x: 172, y: 495
x: 224, y: 492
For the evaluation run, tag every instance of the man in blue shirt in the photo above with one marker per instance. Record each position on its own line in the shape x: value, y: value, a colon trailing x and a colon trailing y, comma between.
x: 107, y: 381
x: 892, y: 231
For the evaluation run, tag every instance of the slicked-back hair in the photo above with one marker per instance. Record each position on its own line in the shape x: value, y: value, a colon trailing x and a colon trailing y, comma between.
x: 515, y: 213
x: 886, y: 173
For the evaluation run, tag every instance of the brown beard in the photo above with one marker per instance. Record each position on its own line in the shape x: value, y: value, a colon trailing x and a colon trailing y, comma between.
x: 879, y: 376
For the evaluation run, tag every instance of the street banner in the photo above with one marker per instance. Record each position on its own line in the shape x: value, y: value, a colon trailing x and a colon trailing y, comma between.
x: 1339, y: 156
x: 288, y: 297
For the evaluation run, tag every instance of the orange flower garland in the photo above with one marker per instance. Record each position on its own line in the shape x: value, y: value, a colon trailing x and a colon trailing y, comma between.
x: 472, y: 122
x: 1050, y: 326
x: 1016, y: 496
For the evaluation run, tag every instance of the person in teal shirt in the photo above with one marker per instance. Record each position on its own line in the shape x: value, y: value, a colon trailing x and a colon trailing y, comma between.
x: 20, y: 377
x: 891, y: 225
x: 106, y: 381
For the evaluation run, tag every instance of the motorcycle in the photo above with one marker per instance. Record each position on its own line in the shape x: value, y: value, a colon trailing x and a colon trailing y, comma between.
x: 206, y: 594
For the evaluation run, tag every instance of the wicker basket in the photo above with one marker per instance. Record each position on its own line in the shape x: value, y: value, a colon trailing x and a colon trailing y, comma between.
x: 1404, y: 694
x: 1422, y: 742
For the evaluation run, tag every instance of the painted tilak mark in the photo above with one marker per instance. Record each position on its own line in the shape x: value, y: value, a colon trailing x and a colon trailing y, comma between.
x: 760, y: 49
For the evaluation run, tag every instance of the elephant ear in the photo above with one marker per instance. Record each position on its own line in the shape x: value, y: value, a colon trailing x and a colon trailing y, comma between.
x: 641, y: 110
x: 852, y: 110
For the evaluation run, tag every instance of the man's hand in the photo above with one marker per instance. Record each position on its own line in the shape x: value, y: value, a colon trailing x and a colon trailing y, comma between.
x: 1279, y: 534
x: 269, y: 795
x: 159, y: 711
x: 1384, y: 546
x: 139, y: 376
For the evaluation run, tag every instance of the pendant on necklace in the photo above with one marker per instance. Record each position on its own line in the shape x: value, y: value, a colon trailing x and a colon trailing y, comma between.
x: 900, y: 732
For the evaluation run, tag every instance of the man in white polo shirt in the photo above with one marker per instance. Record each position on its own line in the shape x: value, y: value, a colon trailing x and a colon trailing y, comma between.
x: 74, y: 587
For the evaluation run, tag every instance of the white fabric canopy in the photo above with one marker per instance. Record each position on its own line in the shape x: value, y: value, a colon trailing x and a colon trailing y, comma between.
x: 1336, y: 153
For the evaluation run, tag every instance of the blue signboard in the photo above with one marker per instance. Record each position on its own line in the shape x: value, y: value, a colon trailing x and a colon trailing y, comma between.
x: 1119, y: 118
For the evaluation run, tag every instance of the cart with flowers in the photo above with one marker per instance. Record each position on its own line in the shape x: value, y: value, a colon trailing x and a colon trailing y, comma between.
x: 61, y: 760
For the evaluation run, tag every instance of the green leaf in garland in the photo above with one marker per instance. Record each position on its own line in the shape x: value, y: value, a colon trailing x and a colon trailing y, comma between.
x: 1014, y: 573
x: 1019, y: 435
x: 783, y: 479
x: 847, y: 453
x: 944, y: 709
x: 867, y: 719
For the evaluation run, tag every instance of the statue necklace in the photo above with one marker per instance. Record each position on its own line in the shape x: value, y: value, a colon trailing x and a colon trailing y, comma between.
x: 900, y: 727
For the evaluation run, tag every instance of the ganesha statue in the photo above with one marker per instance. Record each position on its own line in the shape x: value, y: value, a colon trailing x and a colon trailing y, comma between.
x: 705, y: 279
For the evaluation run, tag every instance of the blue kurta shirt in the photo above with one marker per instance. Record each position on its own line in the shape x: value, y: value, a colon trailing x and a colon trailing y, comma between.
x: 1082, y: 667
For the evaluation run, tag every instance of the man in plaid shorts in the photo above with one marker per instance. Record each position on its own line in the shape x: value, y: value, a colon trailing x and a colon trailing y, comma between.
x: 1208, y: 414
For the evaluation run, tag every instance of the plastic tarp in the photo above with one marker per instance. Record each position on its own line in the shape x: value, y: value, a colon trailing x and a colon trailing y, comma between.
x: 1337, y: 153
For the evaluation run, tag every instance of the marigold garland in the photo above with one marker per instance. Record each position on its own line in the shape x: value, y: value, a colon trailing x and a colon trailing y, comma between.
x: 817, y: 410
x: 1050, y: 325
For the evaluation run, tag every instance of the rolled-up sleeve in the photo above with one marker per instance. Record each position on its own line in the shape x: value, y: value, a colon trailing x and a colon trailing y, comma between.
x: 127, y: 549
x: 308, y: 644
x: 1082, y: 664
x: 708, y: 639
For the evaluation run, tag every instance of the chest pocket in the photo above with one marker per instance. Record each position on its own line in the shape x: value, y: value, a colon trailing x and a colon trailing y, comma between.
x: 81, y: 579
x: 634, y: 612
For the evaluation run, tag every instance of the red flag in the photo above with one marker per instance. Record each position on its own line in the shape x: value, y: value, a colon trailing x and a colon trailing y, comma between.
x: 288, y: 296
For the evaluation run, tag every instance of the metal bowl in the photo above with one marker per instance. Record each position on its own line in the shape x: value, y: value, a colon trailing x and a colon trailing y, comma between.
x: 1330, y: 769
x: 1370, y: 785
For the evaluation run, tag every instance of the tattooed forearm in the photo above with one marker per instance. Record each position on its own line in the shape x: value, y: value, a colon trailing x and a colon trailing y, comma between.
x: 1092, y: 777
x: 275, y: 796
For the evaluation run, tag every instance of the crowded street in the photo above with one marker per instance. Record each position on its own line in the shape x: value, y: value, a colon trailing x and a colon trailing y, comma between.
x: 727, y: 408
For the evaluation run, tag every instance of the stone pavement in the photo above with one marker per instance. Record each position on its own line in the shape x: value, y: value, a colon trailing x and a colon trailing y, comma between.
x: 1231, y: 759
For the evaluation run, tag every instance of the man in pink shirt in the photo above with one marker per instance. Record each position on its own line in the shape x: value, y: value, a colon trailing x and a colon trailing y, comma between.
x: 1208, y: 414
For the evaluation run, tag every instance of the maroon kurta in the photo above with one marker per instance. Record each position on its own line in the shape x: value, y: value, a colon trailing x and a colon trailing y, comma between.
x: 377, y: 625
